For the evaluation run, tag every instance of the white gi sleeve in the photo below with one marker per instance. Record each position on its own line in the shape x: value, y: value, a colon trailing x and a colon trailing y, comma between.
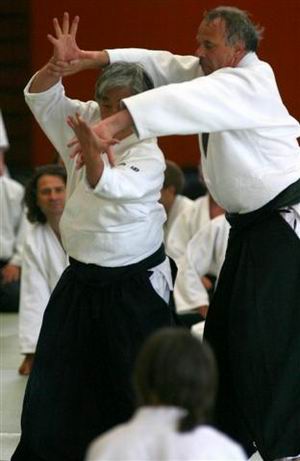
x: 179, y: 235
x: 186, y: 225
x: 139, y: 176
x: 204, y: 255
x: 51, y: 109
x: 23, y: 227
x: 35, y: 294
x: 163, y: 66
x: 211, y: 103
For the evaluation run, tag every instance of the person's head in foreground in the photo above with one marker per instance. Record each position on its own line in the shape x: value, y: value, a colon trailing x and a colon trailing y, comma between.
x: 174, y: 368
x: 224, y: 36
x: 118, y: 81
x: 175, y: 381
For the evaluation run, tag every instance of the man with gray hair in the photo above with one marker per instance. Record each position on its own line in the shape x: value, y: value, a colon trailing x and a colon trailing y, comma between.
x: 116, y: 290
x: 251, y: 166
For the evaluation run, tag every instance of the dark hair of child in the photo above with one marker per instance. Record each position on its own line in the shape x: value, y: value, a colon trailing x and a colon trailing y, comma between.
x: 174, y: 368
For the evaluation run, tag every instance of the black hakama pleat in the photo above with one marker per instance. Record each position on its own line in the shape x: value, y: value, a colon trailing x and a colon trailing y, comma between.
x: 80, y: 385
x: 253, y: 327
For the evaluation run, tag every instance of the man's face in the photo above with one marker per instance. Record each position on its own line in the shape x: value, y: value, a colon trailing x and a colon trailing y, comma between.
x: 110, y: 104
x: 51, y: 191
x: 213, y: 50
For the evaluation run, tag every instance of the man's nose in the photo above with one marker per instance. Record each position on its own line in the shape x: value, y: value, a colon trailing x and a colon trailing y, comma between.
x: 200, y: 52
x: 54, y: 195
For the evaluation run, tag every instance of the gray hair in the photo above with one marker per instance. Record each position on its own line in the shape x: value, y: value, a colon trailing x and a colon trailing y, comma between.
x: 123, y: 74
x: 238, y: 26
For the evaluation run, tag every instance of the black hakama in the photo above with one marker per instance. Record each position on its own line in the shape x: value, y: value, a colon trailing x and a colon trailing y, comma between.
x: 80, y: 386
x: 253, y: 327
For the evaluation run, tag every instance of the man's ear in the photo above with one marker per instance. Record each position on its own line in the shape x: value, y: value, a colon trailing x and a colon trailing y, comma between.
x: 172, y: 189
x: 239, y: 50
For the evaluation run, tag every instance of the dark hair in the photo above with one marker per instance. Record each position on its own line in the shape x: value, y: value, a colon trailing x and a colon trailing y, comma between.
x: 174, y: 177
x: 238, y: 26
x: 123, y: 74
x: 174, y: 368
x: 34, y: 213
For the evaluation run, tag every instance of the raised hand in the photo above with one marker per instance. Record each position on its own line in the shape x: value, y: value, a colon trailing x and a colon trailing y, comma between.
x: 89, y: 144
x: 64, y: 41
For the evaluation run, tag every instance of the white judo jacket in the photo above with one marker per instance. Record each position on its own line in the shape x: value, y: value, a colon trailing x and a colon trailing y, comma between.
x: 252, y: 152
x: 205, y: 254
x: 44, y: 260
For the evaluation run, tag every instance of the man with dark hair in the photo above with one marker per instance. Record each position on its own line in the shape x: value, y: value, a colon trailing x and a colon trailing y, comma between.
x: 43, y: 257
x: 251, y: 166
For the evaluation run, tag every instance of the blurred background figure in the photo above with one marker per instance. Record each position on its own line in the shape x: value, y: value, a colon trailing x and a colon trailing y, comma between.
x: 44, y: 258
x: 12, y: 230
x: 191, y: 220
x: 171, y: 195
x: 199, y: 268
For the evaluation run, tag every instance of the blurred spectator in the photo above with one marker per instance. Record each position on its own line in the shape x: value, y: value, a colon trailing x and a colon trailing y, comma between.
x: 190, y: 221
x: 12, y: 229
x: 44, y: 258
x: 171, y: 195
x: 204, y: 256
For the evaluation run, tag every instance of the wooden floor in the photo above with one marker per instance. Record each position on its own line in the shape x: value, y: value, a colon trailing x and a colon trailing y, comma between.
x: 12, y: 385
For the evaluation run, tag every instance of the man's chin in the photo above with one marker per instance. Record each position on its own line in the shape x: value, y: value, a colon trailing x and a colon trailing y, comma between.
x: 206, y: 69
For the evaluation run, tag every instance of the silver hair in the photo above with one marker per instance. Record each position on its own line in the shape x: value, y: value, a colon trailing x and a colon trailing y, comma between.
x: 238, y: 26
x: 123, y: 74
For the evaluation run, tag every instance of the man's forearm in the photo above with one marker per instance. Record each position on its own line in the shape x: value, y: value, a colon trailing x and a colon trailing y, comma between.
x: 43, y: 80
x: 51, y: 73
x: 111, y: 126
x: 95, y: 59
x: 94, y: 169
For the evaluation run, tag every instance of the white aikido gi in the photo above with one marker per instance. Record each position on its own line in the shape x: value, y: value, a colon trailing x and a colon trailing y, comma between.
x: 152, y: 435
x: 179, y: 206
x: 186, y: 225
x: 204, y: 255
x: 12, y: 222
x: 120, y: 221
x: 252, y: 153
x: 42, y: 265
x: 239, y: 168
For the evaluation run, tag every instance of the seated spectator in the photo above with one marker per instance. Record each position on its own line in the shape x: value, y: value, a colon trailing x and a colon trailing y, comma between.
x: 204, y: 256
x: 12, y: 228
x: 171, y: 195
x: 189, y: 222
x: 44, y: 258
x: 175, y: 379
